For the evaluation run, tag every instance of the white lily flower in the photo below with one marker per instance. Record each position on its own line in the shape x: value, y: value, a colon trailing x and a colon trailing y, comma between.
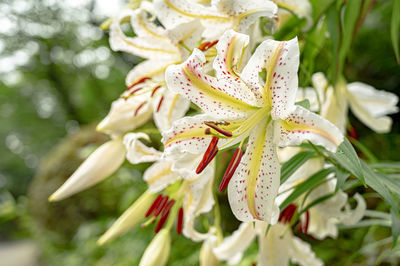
x: 157, y: 253
x: 216, y: 18
x: 207, y: 256
x: 277, y: 247
x: 238, y: 106
x: 369, y: 105
x: 103, y: 162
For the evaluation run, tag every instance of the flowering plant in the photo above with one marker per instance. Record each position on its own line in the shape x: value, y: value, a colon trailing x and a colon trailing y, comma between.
x: 219, y: 85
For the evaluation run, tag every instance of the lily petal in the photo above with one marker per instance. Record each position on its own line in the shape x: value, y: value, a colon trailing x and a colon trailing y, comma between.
x: 305, y: 125
x: 126, y: 114
x: 281, y: 62
x: 274, y: 246
x: 212, y: 96
x: 159, y: 176
x: 254, y: 185
x: 172, y: 108
x: 137, y: 152
x: 246, y: 12
x: 301, y: 253
x: 354, y: 216
x: 148, y: 69
x: 100, y: 164
x: 231, y: 49
x: 198, y: 199
x: 174, y: 12
x: 141, y: 24
x: 237, y: 243
x: 371, y: 106
x: 145, y: 47
x: 188, y: 135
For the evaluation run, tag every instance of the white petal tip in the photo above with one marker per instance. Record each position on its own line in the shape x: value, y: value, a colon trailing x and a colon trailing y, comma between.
x: 55, y: 197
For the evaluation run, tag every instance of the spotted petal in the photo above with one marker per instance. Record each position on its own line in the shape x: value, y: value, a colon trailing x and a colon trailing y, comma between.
x: 188, y: 135
x: 255, y: 183
x: 168, y: 109
x: 281, y: 62
x: 212, y: 96
x: 127, y: 114
x: 304, y: 125
x: 371, y: 106
x: 231, y: 50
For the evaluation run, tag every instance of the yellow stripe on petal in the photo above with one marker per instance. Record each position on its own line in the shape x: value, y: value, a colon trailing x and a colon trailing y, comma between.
x: 188, y: 14
x: 144, y: 26
x: 270, y: 68
x: 172, y: 106
x: 163, y: 172
x: 304, y: 128
x: 213, y: 92
x: 254, y: 168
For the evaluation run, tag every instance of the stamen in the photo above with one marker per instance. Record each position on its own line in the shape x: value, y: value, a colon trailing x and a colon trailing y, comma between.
x: 211, y: 151
x: 214, y: 126
x: 159, y: 103
x: 180, y: 221
x: 207, y: 45
x: 185, y: 46
x: 287, y: 214
x: 161, y: 206
x: 153, y: 205
x: 138, y: 108
x: 164, y: 215
x: 137, y: 82
x: 230, y: 170
x: 207, y: 131
x: 154, y: 90
x: 305, y: 229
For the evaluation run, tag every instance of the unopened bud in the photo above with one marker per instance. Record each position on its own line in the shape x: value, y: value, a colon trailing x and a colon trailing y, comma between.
x: 157, y: 253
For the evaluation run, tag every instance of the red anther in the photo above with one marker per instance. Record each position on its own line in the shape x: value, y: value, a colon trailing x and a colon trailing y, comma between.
x: 305, y: 229
x: 180, y: 221
x: 164, y: 215
x: 219, y: 130
x: 287, y: 214
x: 161, y: 206
x: 230, y: 170
x: 207, y: 131
x: 135, y: 90
x: 138, y: 108
x: 203, y: 46
x: 211, y: 44
x: 137, y: 82
x: 159, y: 103
x: 209, y: 153
x: 353, y: 132
x: 155, y: 89
x: 153, y: 205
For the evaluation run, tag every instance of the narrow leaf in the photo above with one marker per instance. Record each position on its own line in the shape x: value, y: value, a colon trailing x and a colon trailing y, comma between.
x: 306, y: 185
x: 289, y: 167
x: 395, y: 226
x: 395, y: 29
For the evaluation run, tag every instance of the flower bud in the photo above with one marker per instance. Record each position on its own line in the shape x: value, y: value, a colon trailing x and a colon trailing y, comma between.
x: 100, y: 164
x: 130, y: 218
x: 207, y: 257
x: 157, y: 253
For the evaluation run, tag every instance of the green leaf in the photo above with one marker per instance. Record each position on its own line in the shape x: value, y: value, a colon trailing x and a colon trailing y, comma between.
x: 361, y: 147
x: 351, y: 13
x: 347, y: 157
x: 387, y: 166
x: 333, y: 23
x: 289, y: 167
x: 304, y: 103
x: 373, y: 180
x: 306, y: 185
x: 395, y: 226
x: 395, y: 29
x: 341, y: 177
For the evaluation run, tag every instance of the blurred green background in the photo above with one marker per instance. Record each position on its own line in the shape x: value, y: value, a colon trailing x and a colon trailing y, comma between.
x: 58, y: 78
